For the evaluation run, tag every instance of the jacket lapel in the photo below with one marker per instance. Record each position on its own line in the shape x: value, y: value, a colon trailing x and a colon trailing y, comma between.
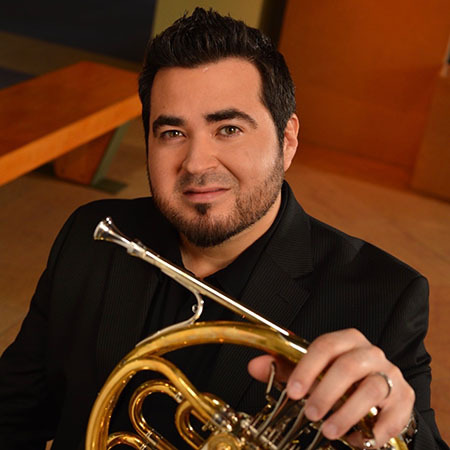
x: 277, y: 290
x: 130, y: 288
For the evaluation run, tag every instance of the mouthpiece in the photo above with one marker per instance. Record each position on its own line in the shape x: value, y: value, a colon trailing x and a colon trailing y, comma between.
x: 107, y: 231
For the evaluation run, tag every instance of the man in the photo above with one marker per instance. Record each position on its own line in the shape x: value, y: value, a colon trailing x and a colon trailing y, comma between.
x: 221, y: 130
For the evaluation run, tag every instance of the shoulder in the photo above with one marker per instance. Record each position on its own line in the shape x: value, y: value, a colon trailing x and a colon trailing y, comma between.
x: 333, y: 247
x: 136, y: 218
x: 334, y: 252
x: 119, y: 208
x: 368, y: 283
x: 355, y: 284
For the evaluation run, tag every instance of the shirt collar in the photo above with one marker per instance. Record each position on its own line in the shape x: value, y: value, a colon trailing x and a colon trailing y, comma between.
x: 233, y: 278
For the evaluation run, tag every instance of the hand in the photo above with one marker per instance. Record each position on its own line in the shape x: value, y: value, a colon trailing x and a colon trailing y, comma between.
x: 345, y: 357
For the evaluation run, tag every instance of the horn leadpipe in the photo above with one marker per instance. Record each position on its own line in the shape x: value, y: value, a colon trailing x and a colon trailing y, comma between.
x: 107, y: 231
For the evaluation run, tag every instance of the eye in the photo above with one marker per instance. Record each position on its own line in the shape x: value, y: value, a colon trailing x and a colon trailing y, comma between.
x: 171, y: 134
x: 229, y: 130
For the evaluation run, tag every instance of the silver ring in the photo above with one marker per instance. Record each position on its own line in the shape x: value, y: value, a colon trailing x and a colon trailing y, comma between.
x: 389, y: 382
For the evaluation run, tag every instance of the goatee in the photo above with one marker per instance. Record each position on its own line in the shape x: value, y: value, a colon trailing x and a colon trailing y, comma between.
x: 207, y: 229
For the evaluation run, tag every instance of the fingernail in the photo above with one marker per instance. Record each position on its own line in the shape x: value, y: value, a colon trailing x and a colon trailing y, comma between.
x: 330, y: 430
x: 295, y: 390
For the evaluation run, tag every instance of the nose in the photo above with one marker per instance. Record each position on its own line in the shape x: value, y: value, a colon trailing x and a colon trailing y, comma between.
x: 200, y: 156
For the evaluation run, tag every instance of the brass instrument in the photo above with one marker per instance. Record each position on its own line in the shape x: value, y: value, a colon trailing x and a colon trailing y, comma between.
x: 281, y: 425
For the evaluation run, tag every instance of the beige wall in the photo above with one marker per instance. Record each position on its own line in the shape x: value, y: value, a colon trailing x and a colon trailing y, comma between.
x: 167, y: 11
x: 365, y: 72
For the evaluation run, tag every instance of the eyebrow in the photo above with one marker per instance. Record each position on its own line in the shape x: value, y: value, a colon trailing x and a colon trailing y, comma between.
x: 218, y: 116
x: 230, y: 113
x: 162, y: 120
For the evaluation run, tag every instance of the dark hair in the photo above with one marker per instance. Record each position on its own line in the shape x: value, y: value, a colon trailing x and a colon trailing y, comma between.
x: 205, y: 37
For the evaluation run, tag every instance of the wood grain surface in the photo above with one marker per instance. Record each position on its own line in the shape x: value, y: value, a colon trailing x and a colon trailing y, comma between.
x: 45, y: 117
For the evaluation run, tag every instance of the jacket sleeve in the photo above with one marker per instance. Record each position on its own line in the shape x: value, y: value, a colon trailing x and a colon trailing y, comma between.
x: 403, y: 343
x: 28, y: 415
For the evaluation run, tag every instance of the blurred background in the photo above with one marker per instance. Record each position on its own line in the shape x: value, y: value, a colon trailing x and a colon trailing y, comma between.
x: 373, y: 96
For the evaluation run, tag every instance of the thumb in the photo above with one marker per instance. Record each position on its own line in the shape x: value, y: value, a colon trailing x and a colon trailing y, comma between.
x: 259, y: 368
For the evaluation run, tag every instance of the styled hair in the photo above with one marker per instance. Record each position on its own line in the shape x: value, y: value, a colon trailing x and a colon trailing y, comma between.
x: 205, y: 37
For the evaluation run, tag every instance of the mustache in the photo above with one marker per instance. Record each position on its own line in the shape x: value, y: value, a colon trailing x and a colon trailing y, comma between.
x: 189, y: 180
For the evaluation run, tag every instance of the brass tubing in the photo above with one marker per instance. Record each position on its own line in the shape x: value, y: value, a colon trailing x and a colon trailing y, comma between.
x: 247, y: 334
x: 98, y: 426
x: 184, y: 426
x: 128, y: 439
x: 135, y: 409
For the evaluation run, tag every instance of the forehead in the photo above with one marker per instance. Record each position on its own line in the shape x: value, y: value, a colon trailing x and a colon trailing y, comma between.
x: 230, y: 82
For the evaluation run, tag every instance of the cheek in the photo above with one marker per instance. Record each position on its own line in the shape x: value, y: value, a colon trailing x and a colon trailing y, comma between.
x: 260, y: 164
x: 166, y: 161
x: 159, y: 174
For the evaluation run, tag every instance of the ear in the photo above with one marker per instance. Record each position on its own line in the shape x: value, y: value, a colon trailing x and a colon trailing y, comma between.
x: 290, y: 141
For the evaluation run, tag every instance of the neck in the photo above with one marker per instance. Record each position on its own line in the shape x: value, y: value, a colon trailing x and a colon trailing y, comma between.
x: 204, y: 261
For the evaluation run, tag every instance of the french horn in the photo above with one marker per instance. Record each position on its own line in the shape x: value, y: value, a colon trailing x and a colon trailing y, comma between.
x: 280, y: 425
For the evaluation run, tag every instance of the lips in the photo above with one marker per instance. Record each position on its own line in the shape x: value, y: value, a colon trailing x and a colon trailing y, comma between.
x: 204, y: 194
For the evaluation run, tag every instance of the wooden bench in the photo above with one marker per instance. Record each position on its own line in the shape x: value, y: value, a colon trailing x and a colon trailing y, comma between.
x: 72, y: 116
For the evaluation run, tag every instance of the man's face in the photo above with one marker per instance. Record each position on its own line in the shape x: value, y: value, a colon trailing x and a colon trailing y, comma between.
x: 214, y: 161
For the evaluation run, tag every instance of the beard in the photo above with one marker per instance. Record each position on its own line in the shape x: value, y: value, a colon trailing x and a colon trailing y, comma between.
x: 209, y: 230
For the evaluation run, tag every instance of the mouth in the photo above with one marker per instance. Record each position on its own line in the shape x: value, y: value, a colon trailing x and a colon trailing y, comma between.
x: 204, y: 194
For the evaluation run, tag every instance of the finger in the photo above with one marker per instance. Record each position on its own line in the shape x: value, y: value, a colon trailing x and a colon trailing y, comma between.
x: 355, y: 439
x: 321, y: 352
x: 259, y: 368
x: 393, y: 414
x: 346, y: 370
x: 392, y: 428
x: 371, y: 391
x: 393, y: 418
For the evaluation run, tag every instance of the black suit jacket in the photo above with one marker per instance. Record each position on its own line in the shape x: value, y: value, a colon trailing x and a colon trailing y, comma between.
x: 92, y: 300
